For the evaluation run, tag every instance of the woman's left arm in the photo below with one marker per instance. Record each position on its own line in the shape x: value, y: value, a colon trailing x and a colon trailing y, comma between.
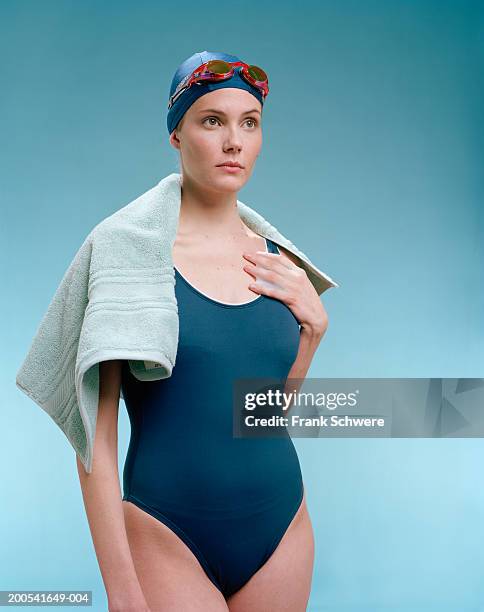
x: 308, y: 344
x: 291, y: 285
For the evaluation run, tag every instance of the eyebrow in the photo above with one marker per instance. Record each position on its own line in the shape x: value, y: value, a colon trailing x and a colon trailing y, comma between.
x: 215, y: 110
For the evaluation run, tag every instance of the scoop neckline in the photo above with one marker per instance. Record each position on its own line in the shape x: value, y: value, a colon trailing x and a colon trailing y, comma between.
x: 218, y: 302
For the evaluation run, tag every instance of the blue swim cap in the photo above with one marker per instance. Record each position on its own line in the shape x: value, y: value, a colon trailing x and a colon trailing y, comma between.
x: 188, y: 97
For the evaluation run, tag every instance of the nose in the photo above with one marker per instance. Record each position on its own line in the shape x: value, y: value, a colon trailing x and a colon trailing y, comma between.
x: 233, y: 141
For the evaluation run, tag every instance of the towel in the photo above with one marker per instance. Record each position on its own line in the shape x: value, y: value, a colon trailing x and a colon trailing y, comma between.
x: 117, y: 300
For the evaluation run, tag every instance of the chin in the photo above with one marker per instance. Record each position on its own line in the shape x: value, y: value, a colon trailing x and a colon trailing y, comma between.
x: 229, y: 182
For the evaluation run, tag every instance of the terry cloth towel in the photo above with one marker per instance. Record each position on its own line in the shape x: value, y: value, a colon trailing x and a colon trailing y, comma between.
x: 117, y: 300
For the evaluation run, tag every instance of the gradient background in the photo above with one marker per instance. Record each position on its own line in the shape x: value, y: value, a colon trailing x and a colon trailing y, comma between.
x: 373, y: 167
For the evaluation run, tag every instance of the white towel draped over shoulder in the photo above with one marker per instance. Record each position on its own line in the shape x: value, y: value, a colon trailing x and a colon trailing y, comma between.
x: 117, y: 300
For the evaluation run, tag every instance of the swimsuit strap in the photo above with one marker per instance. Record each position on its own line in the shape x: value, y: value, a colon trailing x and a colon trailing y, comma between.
x: 272, y: 246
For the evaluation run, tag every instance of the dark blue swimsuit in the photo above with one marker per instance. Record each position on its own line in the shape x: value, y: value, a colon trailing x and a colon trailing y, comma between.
x: 230, y: 500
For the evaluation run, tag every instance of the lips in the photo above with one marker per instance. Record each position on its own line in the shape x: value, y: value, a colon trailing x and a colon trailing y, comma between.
x: 231, y: 164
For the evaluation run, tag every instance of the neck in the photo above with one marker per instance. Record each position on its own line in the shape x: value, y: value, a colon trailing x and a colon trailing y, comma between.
x: 209, y: 213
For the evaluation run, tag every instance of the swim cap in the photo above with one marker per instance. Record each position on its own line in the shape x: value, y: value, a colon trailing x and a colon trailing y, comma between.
x: 188, y: 97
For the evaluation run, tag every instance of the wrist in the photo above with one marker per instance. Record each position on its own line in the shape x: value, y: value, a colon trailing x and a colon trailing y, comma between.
x: 312, y: 331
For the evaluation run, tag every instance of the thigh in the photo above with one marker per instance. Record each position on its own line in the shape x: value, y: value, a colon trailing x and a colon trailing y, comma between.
x: 170, y: 575
x: 283, y: 583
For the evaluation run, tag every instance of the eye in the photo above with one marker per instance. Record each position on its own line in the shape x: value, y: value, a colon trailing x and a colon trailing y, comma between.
x: 211, y: 117
x: 254, y: 121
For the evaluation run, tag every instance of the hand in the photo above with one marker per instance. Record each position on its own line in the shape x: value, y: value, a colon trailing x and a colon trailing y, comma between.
x: 292, y: 286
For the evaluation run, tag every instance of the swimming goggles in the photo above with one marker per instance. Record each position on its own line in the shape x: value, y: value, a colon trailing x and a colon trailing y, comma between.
x: 220, y: 70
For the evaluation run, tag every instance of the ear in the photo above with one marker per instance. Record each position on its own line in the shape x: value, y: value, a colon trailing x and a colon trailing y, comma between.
x: 174, y: 140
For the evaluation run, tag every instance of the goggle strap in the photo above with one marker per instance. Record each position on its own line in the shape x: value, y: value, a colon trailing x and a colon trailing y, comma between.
x: 185, y: 82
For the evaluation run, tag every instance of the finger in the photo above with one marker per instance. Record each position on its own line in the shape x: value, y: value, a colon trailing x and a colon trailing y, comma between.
x: 277, y: 294
x: 269, y: 261
x: 278, y: 262
x: 261, y: 274
x: 250, y: 269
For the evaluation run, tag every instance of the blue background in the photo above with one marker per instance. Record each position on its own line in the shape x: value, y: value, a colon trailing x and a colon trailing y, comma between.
x: 373, y: 166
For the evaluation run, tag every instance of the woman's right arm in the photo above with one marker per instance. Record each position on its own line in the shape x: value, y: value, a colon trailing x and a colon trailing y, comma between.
x: 103, y: 501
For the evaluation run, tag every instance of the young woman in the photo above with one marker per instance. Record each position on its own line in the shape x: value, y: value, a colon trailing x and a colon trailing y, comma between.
x: 211, y: 522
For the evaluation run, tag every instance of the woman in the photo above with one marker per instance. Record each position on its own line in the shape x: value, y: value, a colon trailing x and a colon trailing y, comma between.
x: 212, y: 522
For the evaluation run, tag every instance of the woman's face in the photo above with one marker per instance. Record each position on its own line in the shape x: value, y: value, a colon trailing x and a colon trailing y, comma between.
x: 223, y: 125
